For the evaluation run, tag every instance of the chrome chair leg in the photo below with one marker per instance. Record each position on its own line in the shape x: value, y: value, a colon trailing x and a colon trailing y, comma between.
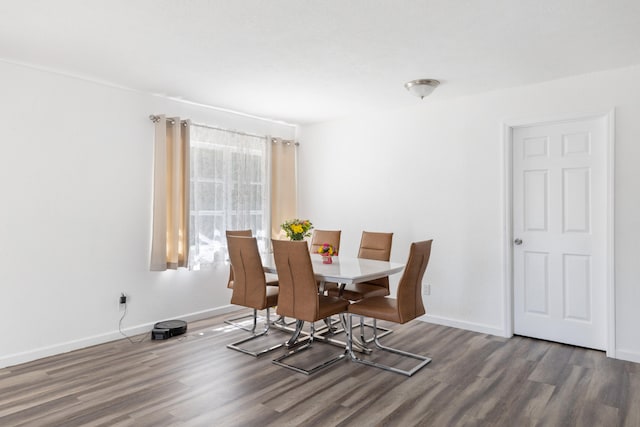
x: 376, y: 329
x: 362, y: 338
x: 293, y: 341
x: 330, y: 328
x: 235, y: 321
x: 281, y: 320
x: 423, y: 359
x: 281, y: 324
x: 322, y: 334
x: 336, y: 330
x: 236, y: 345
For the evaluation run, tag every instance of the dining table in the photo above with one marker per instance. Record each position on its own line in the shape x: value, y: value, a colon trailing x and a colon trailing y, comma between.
x: 343, y: 270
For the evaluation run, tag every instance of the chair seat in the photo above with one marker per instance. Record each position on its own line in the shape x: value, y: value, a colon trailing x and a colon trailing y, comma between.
x: 382, y: 308
x: 329, y: 306
x: 358, y: 291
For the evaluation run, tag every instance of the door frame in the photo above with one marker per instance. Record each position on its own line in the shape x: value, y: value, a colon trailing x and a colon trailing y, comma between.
x: 507, y: 221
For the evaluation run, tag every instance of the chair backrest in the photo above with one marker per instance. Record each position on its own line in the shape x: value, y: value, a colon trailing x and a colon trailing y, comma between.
x: 409, y: 295
x: 376, y: 246
x: 320, y: 237
x: 241, y: 233
x: 298, y: 291
x: 249, y: 284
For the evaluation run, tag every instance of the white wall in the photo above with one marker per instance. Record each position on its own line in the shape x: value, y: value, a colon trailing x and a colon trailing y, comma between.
x: 435, y: 171
x: 75, y: 202
x: 75, y: 205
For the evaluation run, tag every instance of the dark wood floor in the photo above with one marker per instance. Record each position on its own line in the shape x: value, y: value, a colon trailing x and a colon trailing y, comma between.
x: 194, y: 380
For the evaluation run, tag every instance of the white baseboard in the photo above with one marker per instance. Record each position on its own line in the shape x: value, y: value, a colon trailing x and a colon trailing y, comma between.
x: 461, y: 324
x: 39, y: 353
x: 621, y: 354
x: 629, y: 356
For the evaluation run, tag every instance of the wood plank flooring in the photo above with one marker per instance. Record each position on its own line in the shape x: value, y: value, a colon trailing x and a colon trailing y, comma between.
x: 194, y: 380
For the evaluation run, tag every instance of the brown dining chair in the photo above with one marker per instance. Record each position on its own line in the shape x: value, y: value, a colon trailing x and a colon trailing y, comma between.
x: 241, y: 233
x: 299, y: 299
x: 250, y: 287
x: 272, y: 280
x: 405, y: 307
x: 376, y: 246
x: 320, y: 237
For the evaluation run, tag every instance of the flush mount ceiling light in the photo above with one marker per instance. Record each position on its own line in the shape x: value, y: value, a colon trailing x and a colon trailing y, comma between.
x: 421, y: 87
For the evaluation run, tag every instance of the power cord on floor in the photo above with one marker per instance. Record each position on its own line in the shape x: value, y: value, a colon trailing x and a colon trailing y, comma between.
x: 131, y: 340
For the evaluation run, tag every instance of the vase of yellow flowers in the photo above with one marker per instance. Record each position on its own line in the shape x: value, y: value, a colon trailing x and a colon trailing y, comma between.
x: 327, y: 251
x: 297, y: 229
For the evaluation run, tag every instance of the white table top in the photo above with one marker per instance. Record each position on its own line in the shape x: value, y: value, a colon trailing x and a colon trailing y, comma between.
x: 344, y: 269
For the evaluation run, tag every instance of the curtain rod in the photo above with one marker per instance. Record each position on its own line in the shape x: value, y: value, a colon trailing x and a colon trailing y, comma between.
x: 154, y: 118
x: 285, y: 141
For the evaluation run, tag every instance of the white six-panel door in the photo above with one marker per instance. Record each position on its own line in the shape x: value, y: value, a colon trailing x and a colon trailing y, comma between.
x: 559, y: 230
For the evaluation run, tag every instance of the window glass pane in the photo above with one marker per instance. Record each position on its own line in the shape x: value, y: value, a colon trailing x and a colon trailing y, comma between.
x: 207, y: 162
x: 256, y: 202
x: 208, y: 196
x: 228, y: 184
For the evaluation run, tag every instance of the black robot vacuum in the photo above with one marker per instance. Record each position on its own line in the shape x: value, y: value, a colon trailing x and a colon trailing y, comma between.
x: 167, y: 329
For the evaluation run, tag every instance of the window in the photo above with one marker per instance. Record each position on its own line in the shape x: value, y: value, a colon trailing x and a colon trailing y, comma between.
x: 229, y: 191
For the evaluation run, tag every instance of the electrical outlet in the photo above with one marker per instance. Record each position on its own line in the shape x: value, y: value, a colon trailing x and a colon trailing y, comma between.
x: 427, y: 290
x: 123, y: 298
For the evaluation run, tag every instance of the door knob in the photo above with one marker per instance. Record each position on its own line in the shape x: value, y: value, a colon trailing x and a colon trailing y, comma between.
x: 517, y: 242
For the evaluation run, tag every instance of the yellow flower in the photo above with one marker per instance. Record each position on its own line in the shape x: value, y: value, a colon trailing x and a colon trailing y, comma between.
x: 297, y: 229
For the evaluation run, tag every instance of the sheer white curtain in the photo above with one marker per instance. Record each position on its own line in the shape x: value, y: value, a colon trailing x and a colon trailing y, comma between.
x: 229, y: 191
x: 169, y: 246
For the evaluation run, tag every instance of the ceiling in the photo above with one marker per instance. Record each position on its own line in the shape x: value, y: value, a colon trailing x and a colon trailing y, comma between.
x: 306, y: 61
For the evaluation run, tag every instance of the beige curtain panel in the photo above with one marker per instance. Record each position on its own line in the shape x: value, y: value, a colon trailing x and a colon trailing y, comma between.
x: 284, y: 191
x: 170, y: 235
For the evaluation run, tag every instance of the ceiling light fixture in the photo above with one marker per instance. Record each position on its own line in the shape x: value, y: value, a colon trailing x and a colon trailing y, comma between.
x: 421, y: 87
